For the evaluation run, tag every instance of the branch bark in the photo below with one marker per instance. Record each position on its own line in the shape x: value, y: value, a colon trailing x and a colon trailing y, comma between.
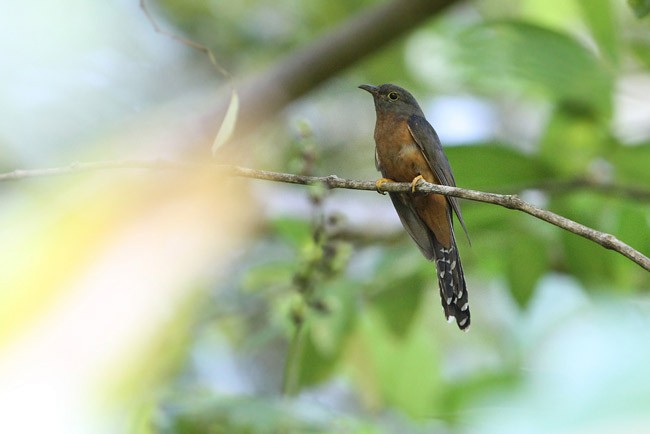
x: 508, y: 201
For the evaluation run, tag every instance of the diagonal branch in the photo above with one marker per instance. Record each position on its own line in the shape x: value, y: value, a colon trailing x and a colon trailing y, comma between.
x: 508, y: 201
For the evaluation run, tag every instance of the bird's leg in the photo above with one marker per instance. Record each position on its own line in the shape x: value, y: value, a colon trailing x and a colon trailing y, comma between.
x: 415, y: 182
x: 380, y: 182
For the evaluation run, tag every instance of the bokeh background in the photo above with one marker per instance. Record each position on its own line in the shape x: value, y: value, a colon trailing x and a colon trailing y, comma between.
x: 148, y: 301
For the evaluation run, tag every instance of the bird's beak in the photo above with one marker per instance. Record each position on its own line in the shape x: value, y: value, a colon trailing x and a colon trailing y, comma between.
x: 372, y: 89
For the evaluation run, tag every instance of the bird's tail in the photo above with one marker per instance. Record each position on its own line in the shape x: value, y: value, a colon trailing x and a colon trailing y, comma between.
x: 453, y: 292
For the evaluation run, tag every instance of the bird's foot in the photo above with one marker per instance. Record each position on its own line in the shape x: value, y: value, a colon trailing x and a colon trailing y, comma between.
x: 415, y: 181
x: 380, y: 182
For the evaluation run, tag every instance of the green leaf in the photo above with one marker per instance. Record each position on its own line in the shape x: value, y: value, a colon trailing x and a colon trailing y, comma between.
x: 583, y: 258
x: 326, y: 333
x: 573, y: 139
x: 295, y: 231
x: 315, y: 365
x: 601, y: 19
x: 631, y: 164
x: 193, y: 412
x: 527, y: 263
x: 641, y: 50
x: 633, y: 229
x: 404, y: 373
x: 641, y: 8
x: 229, y: 122
x: 399, y: 287
x: 493, y: 167
x: 515, y: 56
x: 270, y: 274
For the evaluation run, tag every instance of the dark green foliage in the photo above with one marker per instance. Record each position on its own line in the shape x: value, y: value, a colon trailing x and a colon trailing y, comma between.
x: 641, y: 8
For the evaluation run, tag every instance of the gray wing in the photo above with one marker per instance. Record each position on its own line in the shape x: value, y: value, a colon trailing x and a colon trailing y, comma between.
x: 413, y: 224
x: 427, y: 140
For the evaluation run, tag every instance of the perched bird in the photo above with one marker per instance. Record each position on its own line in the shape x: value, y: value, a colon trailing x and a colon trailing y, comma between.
x: 408, y: 150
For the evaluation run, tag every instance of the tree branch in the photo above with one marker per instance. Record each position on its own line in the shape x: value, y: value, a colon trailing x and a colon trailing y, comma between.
x: 593, y: 185
x: 508, y: 201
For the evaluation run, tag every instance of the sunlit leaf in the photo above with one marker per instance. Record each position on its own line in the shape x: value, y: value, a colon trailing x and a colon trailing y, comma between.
x: 229, y: 122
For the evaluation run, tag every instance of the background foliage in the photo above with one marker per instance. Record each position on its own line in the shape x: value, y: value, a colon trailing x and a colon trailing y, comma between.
x: 255, y: 308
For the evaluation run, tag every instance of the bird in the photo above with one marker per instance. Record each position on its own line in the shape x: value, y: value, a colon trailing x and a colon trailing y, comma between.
x: 407, y: 149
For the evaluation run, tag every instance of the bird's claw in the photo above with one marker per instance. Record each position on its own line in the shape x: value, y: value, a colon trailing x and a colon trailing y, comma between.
x: 415, y: 181
x: 380, y: 182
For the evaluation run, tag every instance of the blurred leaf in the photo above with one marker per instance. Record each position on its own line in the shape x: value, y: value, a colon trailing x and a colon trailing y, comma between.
x: 397, y: 290
x: 228, y: 124
x: 527, y: 262
x: 573, y: 138
x: 631, y: 164
x: 295, y: 231
x: 403, y: 373
x: 641, y: 8
x: 506, y: 56
x: 493, y: 167
x: 327, y: 332
x: 601, y: 19
x: 263, y: 276
x: 641, y: 50
x: 633, y: 229
x: 330, y: 328
x: 466, y: 390
x: 252, y: 415
x: 588, y: 261
x: 315, y: 365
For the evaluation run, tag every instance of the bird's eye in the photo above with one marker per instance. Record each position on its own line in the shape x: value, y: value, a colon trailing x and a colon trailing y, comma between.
x: 393, y: 96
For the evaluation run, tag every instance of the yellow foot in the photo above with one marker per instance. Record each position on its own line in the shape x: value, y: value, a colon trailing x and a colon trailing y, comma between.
x: 380, y: 182
x: 415, y: 182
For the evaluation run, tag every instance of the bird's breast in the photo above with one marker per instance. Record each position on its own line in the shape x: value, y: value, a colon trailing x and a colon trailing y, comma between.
x: 399, y: 156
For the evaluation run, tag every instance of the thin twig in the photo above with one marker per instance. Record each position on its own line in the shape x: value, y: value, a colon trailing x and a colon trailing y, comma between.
x: 508, y: 201
x: 185, y: 41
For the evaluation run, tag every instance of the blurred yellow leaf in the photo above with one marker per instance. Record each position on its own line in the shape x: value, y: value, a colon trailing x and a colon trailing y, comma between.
x: 229, y: 122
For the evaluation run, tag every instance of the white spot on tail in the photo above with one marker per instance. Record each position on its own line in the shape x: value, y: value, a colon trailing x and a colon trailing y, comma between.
x: 465, y: 306
x: 449, y: 299
x: 451, y: 319
x: 463, y: 321
x: 453, y: 265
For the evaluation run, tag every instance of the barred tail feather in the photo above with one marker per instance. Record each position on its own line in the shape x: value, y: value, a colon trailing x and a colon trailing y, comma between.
x: 453, y: 292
